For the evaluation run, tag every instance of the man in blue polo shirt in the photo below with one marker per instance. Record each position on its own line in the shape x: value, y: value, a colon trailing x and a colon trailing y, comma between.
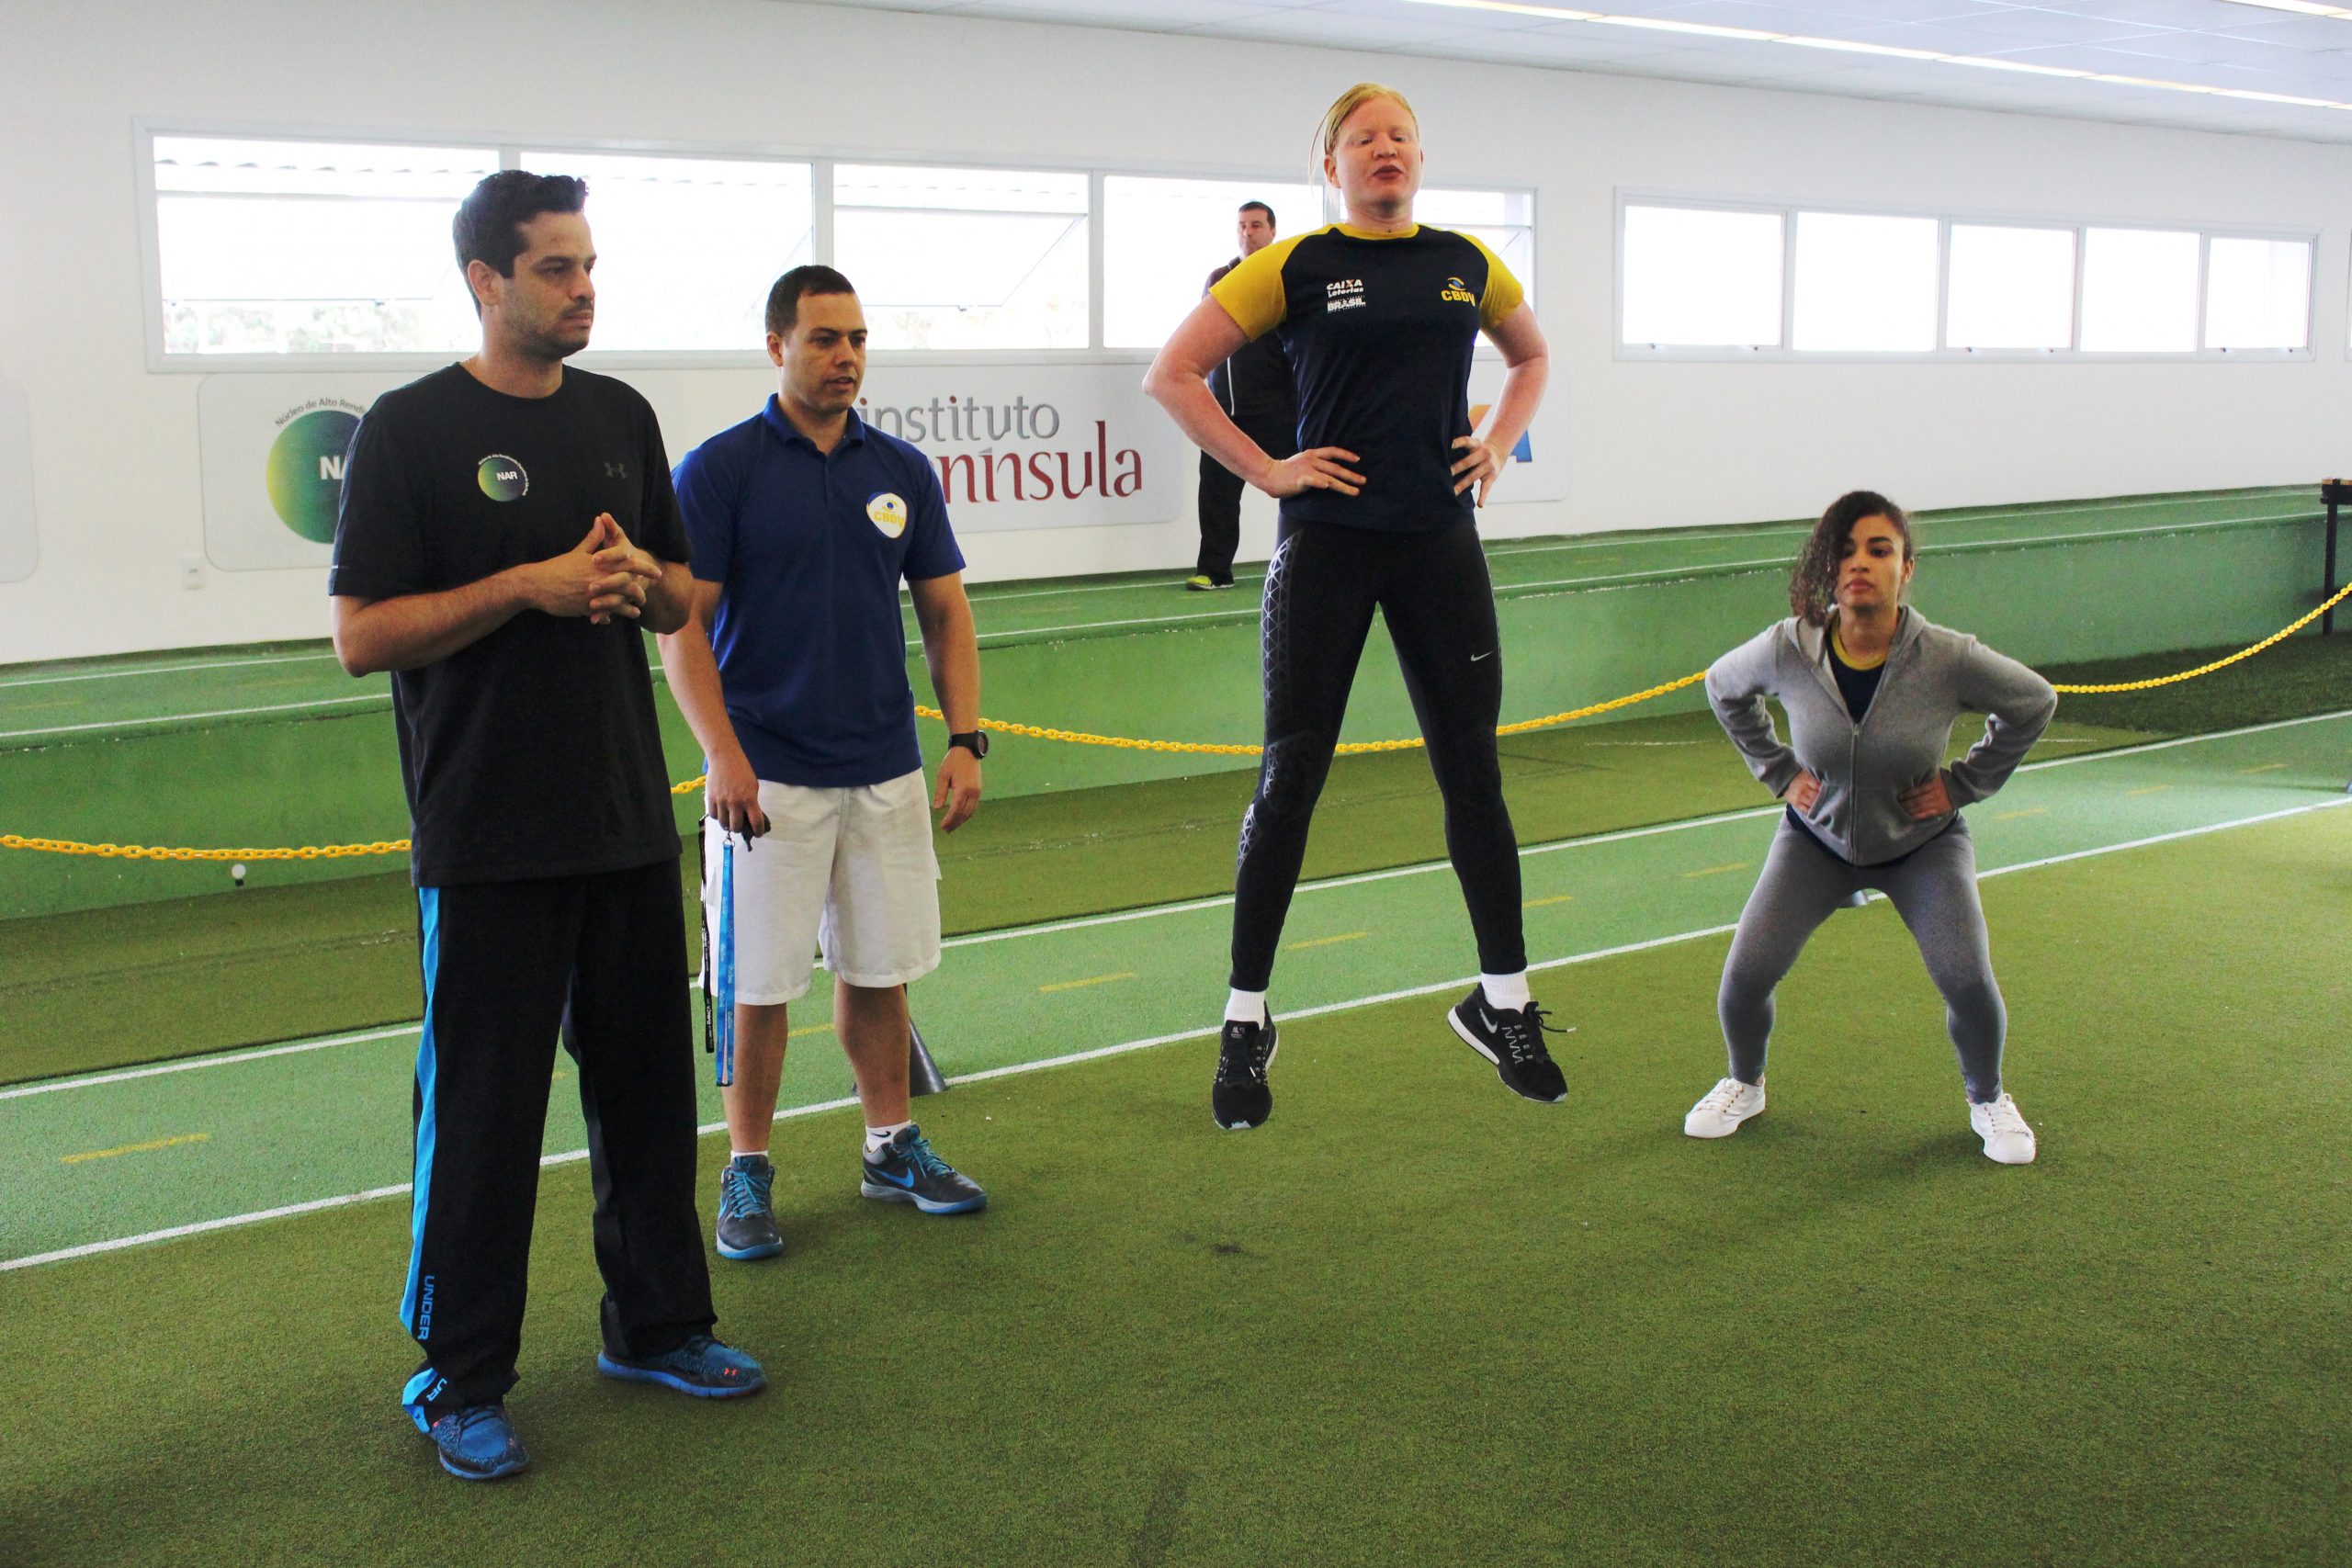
x: 791, y: 668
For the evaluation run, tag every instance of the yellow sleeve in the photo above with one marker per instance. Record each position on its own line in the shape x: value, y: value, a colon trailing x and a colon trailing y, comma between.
x: 1252, y: 292
x: 1503, y: 293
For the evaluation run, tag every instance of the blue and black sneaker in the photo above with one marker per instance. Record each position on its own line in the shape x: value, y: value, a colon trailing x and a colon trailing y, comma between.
x: 746, y: 1216
x: 476, y: 1443
x: 904, y: 1170
x: 702, y: 1367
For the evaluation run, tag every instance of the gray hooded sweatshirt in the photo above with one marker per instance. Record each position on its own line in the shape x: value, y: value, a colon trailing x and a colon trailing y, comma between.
x: 1932, y: 676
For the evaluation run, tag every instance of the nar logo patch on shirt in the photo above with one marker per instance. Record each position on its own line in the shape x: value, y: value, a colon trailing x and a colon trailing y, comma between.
x: 1457, y: 292
x: 501, y: 478
x: 888, y: 512
x: 1347, y: 294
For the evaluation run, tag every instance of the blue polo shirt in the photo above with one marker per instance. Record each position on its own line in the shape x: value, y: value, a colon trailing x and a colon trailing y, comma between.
x: 808, y: 550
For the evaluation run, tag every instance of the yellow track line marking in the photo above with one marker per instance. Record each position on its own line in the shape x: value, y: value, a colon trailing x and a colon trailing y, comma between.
x: 2152, y: 789
x: 2013, y: 816
x: 1718, y: 870
x: 1325, y: 941
x: 1555, y: 898
x: 2263, y: 768
x: 1091, y: 980
x: 136, y: 1148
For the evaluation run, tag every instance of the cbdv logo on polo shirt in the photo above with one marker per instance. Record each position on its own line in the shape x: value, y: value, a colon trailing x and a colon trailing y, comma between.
x: 304, y: 471
x: 501, y: 478
x: 889, y: 513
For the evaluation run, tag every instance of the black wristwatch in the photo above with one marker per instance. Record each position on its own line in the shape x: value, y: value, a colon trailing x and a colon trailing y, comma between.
x: 976, y: 741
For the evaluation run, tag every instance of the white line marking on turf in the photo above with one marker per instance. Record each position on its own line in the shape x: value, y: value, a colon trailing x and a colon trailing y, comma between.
x: 162, y: 670
x: 710, y: 1129
x: 1694, y: 569
x: 192, y: 1064
x: 382, y: 699
x: 1709, y: 532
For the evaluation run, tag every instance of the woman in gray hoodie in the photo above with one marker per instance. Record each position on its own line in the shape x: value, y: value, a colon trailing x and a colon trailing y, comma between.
x: 1871, y: 689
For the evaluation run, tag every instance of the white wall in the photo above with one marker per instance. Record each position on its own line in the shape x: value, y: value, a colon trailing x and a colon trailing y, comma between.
x: 114, y: 446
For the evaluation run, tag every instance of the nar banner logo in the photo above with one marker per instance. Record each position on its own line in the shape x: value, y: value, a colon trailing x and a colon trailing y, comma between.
x: 272, y: 447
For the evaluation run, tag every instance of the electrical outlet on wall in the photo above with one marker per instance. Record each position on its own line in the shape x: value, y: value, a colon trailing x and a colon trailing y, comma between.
x: 191, y: 571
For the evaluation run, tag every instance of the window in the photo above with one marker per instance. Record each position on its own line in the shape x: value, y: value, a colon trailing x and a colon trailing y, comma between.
x: 1162, y: 238
x: 2139, y: 291
x: 1503, y: 221
x: 2258, y: 293
x: 2011, y: 287
x: 1865, y: 284
x: 687, y: 248
x: 965, y: 258
x: 1707, y: 279
x: 1697, y: 277
x: 304, y: 247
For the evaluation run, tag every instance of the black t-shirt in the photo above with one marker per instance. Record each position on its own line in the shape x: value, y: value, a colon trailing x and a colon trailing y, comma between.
x: 533, y: 751
x: 1255, y: 384
x: 1379, y: 331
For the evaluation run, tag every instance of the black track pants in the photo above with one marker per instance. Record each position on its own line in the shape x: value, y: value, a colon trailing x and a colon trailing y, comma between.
x: 508, y: 967
x: 1432, y: 589
x: 1220, y: 502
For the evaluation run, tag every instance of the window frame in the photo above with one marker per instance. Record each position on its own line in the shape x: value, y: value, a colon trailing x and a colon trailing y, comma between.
x: 820, y: 162
x: 1944, y: 353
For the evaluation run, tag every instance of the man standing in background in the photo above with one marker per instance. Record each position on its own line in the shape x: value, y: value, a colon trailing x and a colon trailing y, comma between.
x: 507, y: 527
x: 1254, y: 389
x: 791, y: 668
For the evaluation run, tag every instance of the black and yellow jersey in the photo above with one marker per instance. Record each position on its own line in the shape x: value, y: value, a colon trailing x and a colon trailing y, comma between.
x: 1379, y: 329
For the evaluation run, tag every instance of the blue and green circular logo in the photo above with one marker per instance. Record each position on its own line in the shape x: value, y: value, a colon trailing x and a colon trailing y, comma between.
x: 305, y: 471
x: 501, y: 478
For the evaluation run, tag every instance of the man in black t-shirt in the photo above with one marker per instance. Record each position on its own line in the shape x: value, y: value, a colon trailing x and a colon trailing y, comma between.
x: 507, y: 530
x: 1254, y: 389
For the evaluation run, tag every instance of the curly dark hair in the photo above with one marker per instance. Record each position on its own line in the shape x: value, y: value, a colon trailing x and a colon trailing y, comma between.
x: 1813, y: 586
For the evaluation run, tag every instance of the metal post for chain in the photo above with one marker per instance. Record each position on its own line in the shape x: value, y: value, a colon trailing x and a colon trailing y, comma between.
x: 2335, y: 492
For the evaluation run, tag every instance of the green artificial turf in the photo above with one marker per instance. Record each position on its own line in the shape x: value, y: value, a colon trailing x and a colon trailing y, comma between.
x: 105, y: 988
x: 1412, y: 1320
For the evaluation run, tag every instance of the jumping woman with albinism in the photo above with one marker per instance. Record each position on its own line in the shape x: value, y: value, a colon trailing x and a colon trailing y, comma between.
x: 1871, y: 689
x: 1378, y: 316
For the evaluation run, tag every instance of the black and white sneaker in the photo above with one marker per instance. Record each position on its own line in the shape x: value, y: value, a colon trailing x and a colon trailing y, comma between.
x: 1513, y: 1041
x: 1239, y: 1096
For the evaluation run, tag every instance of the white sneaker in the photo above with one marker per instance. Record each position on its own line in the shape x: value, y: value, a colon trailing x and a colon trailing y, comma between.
x: 1725, y: 1106
x: 2002, y: 1126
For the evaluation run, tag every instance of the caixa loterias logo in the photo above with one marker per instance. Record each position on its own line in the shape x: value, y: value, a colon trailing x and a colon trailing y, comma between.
x: 1024, y: 452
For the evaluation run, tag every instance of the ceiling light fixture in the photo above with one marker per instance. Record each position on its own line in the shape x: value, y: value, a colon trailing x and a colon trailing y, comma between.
x: 1750, y: 35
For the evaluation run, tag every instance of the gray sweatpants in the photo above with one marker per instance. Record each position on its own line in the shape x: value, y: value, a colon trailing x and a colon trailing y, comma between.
x: 1934, y: 889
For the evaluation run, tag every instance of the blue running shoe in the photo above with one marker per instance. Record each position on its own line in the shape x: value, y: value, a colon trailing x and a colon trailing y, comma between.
x: 904, y: 1170
x: 702, y: 1367
x: 746, y: 1216
x: 476, y: 1443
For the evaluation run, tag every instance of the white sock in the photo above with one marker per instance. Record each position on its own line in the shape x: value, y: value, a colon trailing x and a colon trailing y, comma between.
x: 877, y: 1136
x: 1246, y: 1007
x: 1506, y: 993
x: 751, y: 1153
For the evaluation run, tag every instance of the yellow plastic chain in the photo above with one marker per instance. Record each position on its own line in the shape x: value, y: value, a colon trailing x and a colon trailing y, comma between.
x: 1083, y: 738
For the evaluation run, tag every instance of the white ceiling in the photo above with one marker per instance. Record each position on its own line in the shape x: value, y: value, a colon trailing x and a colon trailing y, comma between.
x: 2200, y: 49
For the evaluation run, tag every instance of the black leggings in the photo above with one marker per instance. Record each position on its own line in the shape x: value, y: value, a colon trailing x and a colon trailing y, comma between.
x: 1432, y: 589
